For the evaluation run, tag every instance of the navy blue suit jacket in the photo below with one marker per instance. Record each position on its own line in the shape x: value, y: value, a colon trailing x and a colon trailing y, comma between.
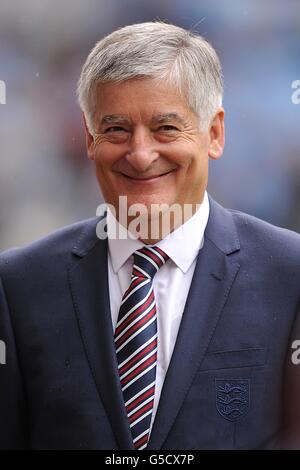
x: 59, y: 388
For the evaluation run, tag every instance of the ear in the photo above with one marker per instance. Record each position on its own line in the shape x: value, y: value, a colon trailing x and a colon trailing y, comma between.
x: 217, y: 135
x: 89, y: 140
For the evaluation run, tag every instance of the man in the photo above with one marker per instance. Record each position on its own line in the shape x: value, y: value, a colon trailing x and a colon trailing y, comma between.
x: 172, y: 339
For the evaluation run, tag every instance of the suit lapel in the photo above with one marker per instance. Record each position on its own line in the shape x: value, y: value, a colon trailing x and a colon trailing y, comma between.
x: 88, y: 278
x: 213, y: 278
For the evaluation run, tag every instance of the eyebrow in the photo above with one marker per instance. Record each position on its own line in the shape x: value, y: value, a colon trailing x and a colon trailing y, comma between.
x: 156, y: 119
x: 114, y: 118
x: 169, y: 117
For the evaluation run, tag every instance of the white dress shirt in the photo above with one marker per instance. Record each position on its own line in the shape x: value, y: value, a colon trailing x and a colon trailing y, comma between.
x: 171, y: 283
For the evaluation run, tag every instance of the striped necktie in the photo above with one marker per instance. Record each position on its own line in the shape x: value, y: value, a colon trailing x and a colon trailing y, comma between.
x: 136, y: 343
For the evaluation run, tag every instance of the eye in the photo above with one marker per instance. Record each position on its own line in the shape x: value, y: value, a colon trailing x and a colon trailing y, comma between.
x: 168, y: 128
x: 115, y: 129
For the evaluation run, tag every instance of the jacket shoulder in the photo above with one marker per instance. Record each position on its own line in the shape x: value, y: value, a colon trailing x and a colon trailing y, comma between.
x: 55, y: 247
x: 263, y: 235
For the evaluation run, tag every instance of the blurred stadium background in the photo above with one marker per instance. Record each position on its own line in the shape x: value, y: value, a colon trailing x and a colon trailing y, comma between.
x: 46, y: 180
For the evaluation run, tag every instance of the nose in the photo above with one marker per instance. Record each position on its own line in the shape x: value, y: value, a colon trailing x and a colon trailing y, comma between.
x: 142, y: 152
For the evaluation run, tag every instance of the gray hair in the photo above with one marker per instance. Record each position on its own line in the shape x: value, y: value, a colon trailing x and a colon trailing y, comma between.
x: 156, y: 50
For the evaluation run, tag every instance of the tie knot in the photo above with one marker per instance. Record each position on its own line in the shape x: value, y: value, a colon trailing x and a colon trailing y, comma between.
x: 148, y: 260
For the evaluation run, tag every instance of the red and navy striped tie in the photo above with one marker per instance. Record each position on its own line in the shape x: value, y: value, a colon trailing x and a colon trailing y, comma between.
x: 136, y: 343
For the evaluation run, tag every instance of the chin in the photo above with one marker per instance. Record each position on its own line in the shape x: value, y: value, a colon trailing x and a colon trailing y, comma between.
x: 149, y: 201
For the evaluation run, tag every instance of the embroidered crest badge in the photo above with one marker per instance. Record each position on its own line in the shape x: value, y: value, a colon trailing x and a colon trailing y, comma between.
x: 232, y: 398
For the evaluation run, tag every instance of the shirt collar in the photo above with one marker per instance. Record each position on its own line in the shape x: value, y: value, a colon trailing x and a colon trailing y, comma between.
x: 182, y: 245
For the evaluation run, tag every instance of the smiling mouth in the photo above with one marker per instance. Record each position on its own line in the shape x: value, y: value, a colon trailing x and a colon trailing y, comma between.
x: 143, y: 179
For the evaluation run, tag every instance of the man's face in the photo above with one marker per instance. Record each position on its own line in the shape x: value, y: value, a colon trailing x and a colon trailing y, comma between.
x: 149, y: 146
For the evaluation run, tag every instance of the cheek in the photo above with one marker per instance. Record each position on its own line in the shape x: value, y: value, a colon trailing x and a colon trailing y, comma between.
x: 104, y: 161
x: 195, y: 172
x: 105, y: 157
x: 189, y: 161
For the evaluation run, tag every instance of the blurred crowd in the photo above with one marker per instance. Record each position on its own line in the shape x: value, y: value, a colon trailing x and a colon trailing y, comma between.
x: 46, y: 180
